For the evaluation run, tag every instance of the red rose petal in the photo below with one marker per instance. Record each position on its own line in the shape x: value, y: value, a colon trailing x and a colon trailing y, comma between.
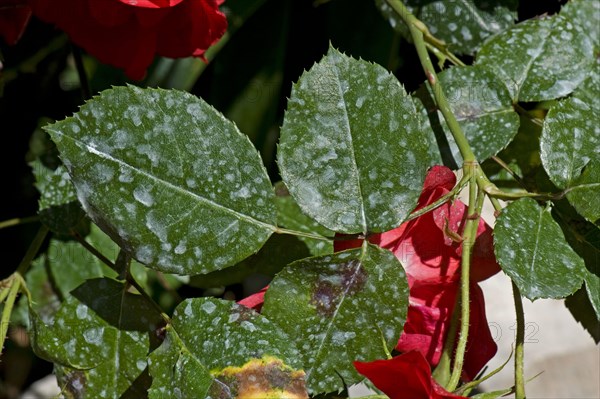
x: 407, y: 376
x: 129, y: 37
x: 255, y: 301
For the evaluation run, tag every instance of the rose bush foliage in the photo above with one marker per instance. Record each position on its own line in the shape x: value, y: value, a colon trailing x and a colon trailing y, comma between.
x: 164, y: 179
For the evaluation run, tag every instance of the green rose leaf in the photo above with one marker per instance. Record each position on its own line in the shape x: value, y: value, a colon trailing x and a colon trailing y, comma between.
x: 64, y: 267
x: 54, y: 185
x: 168, y: 178
x: 584, y: 192
x: 569, y: 147
x: 213, y: 347
x: 478, y: 20
x: 592, y: 287
x: 586, y: 14
x: 103, y: 332
x: 340, y: 308
x: 351, y: 151
x: 570, y: 139
x: 58, y: 206
x: 531, y: 249
x: 589, y: 90
x: 540, y: 59
x: 290, y: 216
x: 483, y: 108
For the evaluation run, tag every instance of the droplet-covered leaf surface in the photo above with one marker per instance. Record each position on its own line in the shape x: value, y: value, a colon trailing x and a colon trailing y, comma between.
x: 104, y: 332
x: 207, y: 338
x: 54, y: 185
x: 351, y: 152
x: 586, y: 14
x: 168, y: 178
x: 58, y: 205
x: 570, y: 140
x: 340, y: 308
x: 483, y: 107
x: 531, y: 249
x: 462, y: 24
x: 584, y: 193
x: 539, y: 59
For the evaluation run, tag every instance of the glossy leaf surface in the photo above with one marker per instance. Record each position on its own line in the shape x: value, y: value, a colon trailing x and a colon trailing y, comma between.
x: 531, y: 249
x: 539, y: 59
x: 168, y: 178
x: 340, y: 308
x: 91, y: 335
x: 351, y: 153
x: 587, y: 14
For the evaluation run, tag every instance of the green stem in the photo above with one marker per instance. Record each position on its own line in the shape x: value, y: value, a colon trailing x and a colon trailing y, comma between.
x: 33, y: 249
x: 522, y: 111
x: 416, y: 31
x: 472, y: 384
x: 520, y: 345
x: 469, y: 236
x: 8, y: 307
x: 129, y: 277
x: 442, y: 370
x: 440, y: 201
x: 95, y: 252
x: 507, y: 168
x: 131, y: 280
x: 281, y: 230
x: 17, y: 221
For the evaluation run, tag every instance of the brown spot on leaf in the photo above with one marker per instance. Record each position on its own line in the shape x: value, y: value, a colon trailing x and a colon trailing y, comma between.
x: 74, y: 383
x: 266, y: 378
x: 347, y: 279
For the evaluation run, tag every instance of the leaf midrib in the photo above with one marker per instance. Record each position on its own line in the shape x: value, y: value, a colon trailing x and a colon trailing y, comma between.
x: 353, y: 152
x: 195, y: 196
x: 333, y: 317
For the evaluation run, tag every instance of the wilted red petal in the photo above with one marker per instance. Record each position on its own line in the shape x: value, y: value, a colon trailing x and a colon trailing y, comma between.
x: 255, y: 301
x: 407, y: 376
x: 14, y: 16
x: 129, y: 37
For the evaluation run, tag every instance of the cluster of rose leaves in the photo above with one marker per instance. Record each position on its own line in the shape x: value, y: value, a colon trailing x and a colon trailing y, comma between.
x: 429, y: 250
x: 127, y: 34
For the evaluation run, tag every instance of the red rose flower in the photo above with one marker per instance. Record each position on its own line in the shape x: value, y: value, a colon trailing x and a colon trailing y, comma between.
x: 129, y: 33
x: 407, y: 376
x: 14, y: 15
x: 427, y: 249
